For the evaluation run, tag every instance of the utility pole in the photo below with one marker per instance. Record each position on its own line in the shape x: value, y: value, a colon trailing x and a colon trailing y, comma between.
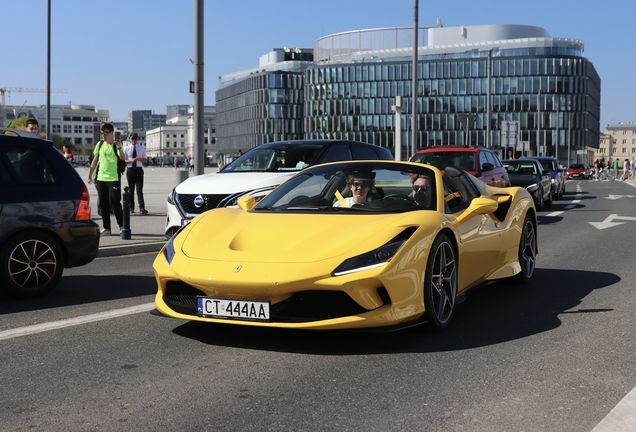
x: 199, y: 156
x: 414, y: 115
x: 539, y: 149
x: 488, y: 109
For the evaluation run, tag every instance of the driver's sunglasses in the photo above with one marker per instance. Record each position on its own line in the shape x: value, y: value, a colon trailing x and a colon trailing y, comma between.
x: 418, y: 187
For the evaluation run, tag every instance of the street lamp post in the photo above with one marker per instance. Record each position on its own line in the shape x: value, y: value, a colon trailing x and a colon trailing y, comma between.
x: 414, y: 82
x: 398, y: 109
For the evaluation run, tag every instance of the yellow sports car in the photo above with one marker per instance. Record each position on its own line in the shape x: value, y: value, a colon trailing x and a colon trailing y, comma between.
x: 349, y: 245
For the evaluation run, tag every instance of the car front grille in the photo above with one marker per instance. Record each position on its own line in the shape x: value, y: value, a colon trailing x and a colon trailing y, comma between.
x: 304, y: 306
x: 209, y: 202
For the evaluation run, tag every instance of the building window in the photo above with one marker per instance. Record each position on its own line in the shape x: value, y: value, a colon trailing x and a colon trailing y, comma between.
x: 67, y: 129
x: 78, y: 129
x: 77, y: 141
x: 56, y: 128
x: 624, y: 141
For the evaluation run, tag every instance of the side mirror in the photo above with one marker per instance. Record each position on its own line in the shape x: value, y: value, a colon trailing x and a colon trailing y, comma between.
x: 246, y: 203
x: 487, y: 166
x: 478, y: 206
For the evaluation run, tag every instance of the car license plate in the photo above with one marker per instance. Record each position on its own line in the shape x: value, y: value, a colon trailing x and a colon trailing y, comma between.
x: 233, y: 309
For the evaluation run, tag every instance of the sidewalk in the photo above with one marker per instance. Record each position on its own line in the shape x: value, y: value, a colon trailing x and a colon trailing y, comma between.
x: 146, y: 231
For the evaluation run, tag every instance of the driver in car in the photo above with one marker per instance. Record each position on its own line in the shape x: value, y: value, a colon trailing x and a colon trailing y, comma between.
x: 422, y: 190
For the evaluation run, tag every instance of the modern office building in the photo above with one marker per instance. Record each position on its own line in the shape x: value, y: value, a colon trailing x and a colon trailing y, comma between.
x: 483, y: 75
x: 144, y: 120
x: 263, y: 104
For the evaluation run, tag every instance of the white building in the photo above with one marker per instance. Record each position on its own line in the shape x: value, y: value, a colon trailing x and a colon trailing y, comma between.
x: 176, y: 137
x: 80, y: 124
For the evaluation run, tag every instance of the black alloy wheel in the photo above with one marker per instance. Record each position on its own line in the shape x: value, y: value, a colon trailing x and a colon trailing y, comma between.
x: 31, y: 265
x: 440, y: 283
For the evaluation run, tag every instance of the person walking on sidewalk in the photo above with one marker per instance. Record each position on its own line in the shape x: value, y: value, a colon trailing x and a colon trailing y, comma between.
x: 615, y: 168
x: 625, y: 175
x: 108, y: 183
x: 135, y: 156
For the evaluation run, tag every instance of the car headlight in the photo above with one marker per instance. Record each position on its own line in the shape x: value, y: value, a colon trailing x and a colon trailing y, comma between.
x: 168, y: 251
x: 172, y: 197
x: 375, y: 258
x: 533, y: 187
x: 553, y: 181
x: 258, y: 195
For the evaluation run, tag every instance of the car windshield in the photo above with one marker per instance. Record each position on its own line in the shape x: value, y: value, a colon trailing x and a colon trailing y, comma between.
x: 442, y: 159
x: 548, y: 165
x: 283, y: 157
x: 577, y: 166
x: 360, y: 187
x: 520, y: 168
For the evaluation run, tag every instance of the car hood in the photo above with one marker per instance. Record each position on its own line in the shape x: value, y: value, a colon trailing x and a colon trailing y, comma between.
x: 288, y: 238
x: 523, y: 181
x: 232, y: 182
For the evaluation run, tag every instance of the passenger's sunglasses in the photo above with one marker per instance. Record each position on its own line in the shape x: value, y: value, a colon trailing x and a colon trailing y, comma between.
x: 358, y: 184
x: 418, y: 187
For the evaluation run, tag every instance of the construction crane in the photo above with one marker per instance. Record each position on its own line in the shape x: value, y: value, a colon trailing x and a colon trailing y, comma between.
x: 4, y: 90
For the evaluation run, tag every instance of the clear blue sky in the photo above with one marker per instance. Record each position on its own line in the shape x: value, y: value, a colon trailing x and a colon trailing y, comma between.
x: 135, y: 54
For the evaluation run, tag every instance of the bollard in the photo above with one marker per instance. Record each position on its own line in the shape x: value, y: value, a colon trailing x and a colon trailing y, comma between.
x: 181, y: 176
x: 125, y: 229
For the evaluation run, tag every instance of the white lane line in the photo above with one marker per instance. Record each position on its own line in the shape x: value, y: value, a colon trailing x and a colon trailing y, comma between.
x: 54, y: 325
x: 622, y: 417
x: 569, y: 206
x: 553, y: 214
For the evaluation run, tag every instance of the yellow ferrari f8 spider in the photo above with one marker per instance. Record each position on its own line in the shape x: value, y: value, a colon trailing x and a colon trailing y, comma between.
x: 349, y: 245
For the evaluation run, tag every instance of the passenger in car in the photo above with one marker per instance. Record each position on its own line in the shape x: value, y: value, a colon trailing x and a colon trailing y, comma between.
x: 360, y: 185
x: 422, y: 190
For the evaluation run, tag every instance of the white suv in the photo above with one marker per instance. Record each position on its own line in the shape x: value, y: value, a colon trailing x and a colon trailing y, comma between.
x: 258, y: 172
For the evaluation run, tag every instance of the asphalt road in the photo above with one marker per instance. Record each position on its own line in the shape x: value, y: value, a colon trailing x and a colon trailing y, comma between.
x: 555, y: 355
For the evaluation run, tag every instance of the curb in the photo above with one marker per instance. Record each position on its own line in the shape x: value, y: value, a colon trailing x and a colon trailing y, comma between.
x: 117, y: 250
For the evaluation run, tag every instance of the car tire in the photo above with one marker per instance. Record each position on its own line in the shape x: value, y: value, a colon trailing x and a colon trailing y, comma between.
x: 440, y: 283
x: 527, y: 253
x: 31, y: 264
x: 540, y: 203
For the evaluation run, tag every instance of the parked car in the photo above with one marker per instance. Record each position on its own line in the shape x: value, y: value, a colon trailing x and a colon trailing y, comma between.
x: 45, y: 215
x: 529, y: 174
x: 295, y: 260
x: 577, y: 171
x: 557, y: 175
x: 475, y: 160
x: 258, y: 172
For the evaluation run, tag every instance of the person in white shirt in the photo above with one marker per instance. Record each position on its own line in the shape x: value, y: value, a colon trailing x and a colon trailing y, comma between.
x: 135, y: 155
x: 360, y: 186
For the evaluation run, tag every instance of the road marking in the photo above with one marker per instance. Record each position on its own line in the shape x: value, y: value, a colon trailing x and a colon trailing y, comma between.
x: 54, y: 325
x: 622, y: 417
x: 608, y: 222
x: 615, y: 197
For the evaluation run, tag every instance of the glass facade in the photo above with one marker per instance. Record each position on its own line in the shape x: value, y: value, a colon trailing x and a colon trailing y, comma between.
x: 546, y: 89
x: 350, y: 92
x: 262, y: 108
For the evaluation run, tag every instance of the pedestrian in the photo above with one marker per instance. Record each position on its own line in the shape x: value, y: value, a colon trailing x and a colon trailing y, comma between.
x: 219, y: 163
x: 135, y: 155
x: 186, y: 163
x: 108, y: 183
x: 615, y: 168
x: 191, y: 164
x: 632, y: 167
x: 68, y: 154
x: 32, y: 125
x: 625, y: 175
x: 176, y: 162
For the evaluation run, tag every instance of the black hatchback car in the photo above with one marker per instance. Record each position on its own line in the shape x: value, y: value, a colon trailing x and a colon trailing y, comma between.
x: 45, y: 215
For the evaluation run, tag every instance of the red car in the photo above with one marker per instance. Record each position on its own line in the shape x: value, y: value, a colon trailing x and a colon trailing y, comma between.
x: 475, y: 160
x: 578, y: 170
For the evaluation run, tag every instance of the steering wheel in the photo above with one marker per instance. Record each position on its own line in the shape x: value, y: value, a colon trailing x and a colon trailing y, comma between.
x: 396, y: 195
